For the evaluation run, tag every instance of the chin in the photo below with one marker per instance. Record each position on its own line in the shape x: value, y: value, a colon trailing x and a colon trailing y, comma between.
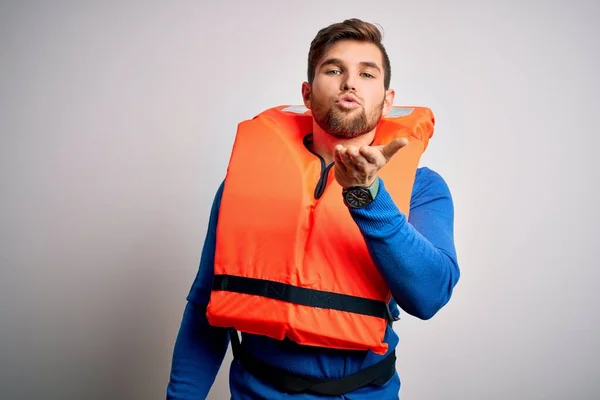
x: 345, y: 134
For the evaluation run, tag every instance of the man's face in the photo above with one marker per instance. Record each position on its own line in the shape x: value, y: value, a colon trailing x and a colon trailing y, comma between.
x: 348, y: 97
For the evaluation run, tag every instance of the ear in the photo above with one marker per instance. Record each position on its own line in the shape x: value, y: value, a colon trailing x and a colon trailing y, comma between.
x: 306, y: 92
x: 388, y: 100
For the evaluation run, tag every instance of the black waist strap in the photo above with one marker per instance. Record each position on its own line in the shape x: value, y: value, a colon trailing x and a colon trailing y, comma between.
x: 302, y: 296
x: 377, y: 374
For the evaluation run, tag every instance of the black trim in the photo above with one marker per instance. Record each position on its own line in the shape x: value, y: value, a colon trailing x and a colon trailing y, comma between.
x: 322, y: 184
x: 377, y: 374
x: 301, y: 296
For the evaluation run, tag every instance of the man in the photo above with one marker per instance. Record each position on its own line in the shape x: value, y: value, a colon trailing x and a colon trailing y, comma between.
x: 323, y: 221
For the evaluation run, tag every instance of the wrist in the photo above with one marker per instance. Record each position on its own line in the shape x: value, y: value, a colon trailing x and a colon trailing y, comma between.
x: 361, y: 196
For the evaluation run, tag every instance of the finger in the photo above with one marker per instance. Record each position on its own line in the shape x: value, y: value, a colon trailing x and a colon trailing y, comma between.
x: 392, y: 147
x: 358, y: 161
x: 369, y: 153
x: 352, y: 152
x: 338, y: 155
x: 353, y: 159
x: 346, y: 157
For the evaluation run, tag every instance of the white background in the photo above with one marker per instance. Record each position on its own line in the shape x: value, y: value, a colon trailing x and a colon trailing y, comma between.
x: 116, y: 123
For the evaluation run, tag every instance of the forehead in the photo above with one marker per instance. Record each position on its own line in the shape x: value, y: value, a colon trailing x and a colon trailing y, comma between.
x: 352, y: 52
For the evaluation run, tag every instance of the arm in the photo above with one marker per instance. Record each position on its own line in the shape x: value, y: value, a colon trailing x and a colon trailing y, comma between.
x: 199, y: 348
x: 415, y: 256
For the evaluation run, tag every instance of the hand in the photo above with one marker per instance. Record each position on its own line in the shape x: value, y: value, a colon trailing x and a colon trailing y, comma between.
x: 356, y: 166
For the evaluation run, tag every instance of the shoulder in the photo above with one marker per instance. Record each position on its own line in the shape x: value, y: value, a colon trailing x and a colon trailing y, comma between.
x: 429, y: 185
x: 426, y: 175
x: 217, y: 198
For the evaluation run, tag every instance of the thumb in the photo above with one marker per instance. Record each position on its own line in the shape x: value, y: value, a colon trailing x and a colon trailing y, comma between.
x: 392, y: 147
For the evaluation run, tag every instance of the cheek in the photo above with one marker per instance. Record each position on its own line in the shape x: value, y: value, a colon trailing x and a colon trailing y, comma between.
x: 320, y: 98
x: 375, y: 100
x: 324, y: 88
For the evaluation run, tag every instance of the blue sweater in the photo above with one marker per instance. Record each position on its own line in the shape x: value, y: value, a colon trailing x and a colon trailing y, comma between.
x: 416, y: 256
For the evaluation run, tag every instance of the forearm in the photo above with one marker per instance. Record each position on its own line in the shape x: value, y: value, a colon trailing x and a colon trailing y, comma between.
x: 197, y: 357
x: 420, y: 268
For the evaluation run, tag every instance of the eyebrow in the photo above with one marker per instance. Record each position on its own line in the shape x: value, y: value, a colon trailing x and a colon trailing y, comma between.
x: 338, y: 63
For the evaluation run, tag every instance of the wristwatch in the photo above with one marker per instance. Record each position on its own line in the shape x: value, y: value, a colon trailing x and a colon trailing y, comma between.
x: 359, y: 196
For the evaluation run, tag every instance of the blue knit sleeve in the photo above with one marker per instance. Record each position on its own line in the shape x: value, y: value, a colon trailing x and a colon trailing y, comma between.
x: 416, y: 255
x: 199, y: 348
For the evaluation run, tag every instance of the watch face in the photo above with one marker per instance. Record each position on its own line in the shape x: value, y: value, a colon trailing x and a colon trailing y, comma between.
x: 358, y: 197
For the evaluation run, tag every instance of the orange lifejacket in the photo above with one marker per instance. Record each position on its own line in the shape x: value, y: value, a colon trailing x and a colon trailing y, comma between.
x: 288, y: 264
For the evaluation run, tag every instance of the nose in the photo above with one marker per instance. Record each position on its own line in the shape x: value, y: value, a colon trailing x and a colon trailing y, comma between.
x: 349, y: 83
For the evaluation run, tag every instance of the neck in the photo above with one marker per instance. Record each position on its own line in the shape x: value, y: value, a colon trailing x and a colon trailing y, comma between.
x: 323, y: 143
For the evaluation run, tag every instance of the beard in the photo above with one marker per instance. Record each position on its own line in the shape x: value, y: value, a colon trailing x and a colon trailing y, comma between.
x: 345, y: 124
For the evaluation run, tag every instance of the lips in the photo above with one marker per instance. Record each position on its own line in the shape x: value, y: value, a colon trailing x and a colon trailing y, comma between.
x: 347, y: 98
x: 348, y: 102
